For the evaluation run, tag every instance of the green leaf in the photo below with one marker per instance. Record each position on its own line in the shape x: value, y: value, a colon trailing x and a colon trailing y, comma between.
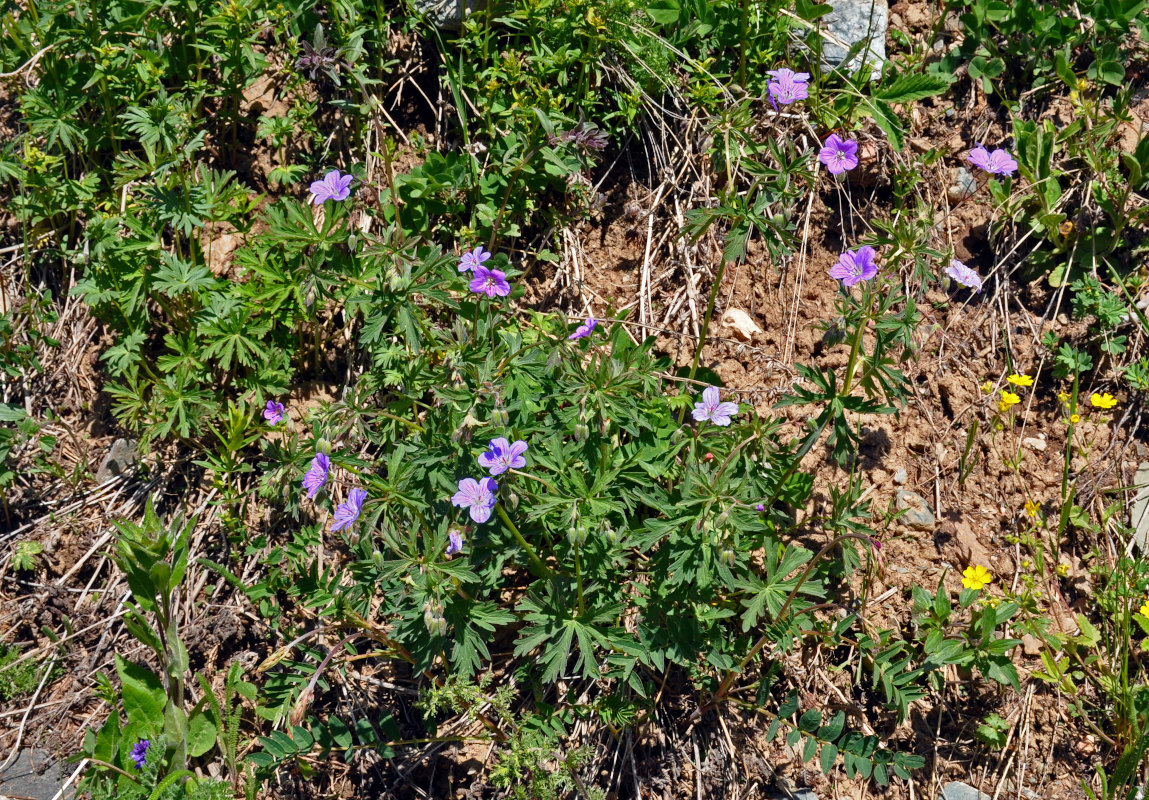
x: 201, y: 734
x: 144, y: 696
x: 664, y: 12
x: 827, y: 758
x: 907, y: 88
x: 888, y: 121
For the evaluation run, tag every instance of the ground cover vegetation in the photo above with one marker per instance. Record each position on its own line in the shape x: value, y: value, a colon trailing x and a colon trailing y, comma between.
x: 458, y: 461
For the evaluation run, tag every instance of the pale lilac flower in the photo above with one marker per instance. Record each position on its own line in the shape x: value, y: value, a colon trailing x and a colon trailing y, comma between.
x: 139, y: 753
x: 999, y: 162
x: 316, y: 476
x: 585, y: 329
x: 710, y: 408
x: 333, y: 187
x: 473, y: 258
x: 854, y: 266
x: 273, y: 412
x: 964, y: 275
x: 839, y: 154
x: 491, y: 282
x: 478, y: 496
x: 454, y: 542
x: 503, y: 456
x: 788, y: 86
x: 348, y: 511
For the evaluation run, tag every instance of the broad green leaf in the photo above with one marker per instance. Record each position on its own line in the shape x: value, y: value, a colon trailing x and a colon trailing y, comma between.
x: 144, y: 695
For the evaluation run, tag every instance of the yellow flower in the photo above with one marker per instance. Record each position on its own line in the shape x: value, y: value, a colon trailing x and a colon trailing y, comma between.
x: 1074, y: 419
x: 1032, y: 508
x: 1008, y: 399
x: 1144, y: 611
x: 1020, y: 380
x: 987, y: 387
x: 1063, y: 396
x: 975, y: 577
x: 1103, y: 400
x: 1062, y: 569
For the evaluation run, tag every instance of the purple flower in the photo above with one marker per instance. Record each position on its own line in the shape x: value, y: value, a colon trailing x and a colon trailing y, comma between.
x: 455, y: 541
x: 139, y: 753
x: 999, y: 162
x: 839, y: 154
x: 503, y: 456
x: 316, y: 476
x: 348, y: 511
x: 473, y: 258
x: 273, y: 412
x: 788, y: 86
x: 491, y: 282
x: 759, y: 507
x: 585, y: 329
x: 711, y: 409
x: 854, y: 266
x: 964, y: 275
x: 333, y: 187
x: 478, y: 496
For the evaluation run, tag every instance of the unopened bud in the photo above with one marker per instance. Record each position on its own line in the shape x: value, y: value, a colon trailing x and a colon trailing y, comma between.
x: 323, y: 446
x: 727, y: 556
x: 581, y: 432
x: 499, y: 417
x: 378, y: 560
x: 576, y: 535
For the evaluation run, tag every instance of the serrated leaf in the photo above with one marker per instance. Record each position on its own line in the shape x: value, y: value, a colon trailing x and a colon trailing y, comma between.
x: 907, y: 88
x: 888, y: 121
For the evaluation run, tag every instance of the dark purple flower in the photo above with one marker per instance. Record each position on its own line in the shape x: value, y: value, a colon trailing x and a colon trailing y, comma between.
x: 999, y: 162
x: 139, y: 753
x: 585, y: 329
x: 348, y: 511
x: 491, y: 282
x: 273, y: 412
x: 315, y: 477
x: 503, y: 456
x: 333, y: 187
x: 964, y: 275
x: 788, y: 86
x: 855, y: 265
x: 839, y: 154
x: 473, y: 258
x: 711, y: 409
x: 454, y: 542
x: 478, y: 496
x: 759, y: 507
x: 585, y: 134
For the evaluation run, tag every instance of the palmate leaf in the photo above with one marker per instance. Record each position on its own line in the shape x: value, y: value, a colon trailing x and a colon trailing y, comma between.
x: 553, y: 627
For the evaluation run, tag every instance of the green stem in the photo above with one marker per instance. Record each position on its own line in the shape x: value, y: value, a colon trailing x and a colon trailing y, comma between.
x: 705, y: 327
x: 578, y: 579
x: 532, y: 556
x: 1066, y: 498
x: 855, y: 350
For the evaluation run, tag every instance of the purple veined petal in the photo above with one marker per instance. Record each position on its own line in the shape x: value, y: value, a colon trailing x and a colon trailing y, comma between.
x: 1001, y: 163
x: 273, y: 412
x: 964, y: 275
x: 726, y: 409
x: 979, y: 157
x: 514, y: 454
x: 467, y: 494
x: 480, y: 513
x: 494, y: 458
x: 316, y: 475
x: 347, y: 512
x: 454, y: 542
x: 585, y: 329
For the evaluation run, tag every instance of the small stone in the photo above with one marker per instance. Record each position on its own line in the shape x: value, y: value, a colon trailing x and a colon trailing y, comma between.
x: 446, y: 14
x: 1139, y: 513
x: 1030, y: 645
x: 1034, y: 444
x: 956, y: 790
x: 965, y: 185
x: 853, y: 21
x: 918, y: 514
x: 119, y: 458
x: 900, y: 476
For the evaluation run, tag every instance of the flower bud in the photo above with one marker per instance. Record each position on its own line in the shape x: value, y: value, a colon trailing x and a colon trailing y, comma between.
x: 323, y: 446
x: 378, y: 560
x: 581, y: 432
x: 727, y: 556
x: 576, y: 535
x: 499, y: 417
x: 512, y: 500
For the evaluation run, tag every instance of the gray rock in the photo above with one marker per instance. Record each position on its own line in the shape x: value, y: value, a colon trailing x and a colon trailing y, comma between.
x: 853, y: 21
x: 34, y: 774
x: 119, y: 459
x: 447, y: 14
x: 956, y: 790
x: 1139, y: 513
x: 918, y: 514
x: 1034, y: 443
x: 965, y: 185
x: 900, y: 476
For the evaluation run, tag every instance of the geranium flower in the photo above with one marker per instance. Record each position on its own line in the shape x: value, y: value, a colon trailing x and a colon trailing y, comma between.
x: 473, y: 258
x: 1102, y: 400
x: 976, y: 577
x: 787, y: 86
x: 316, y: 476
x: 273, y: 412
x: 964, y: 275
x: 711, y: 409
x: 139, y: 753
x: 333, y: 187
x: 501, y: 456
x: 838, y: 154
x: 348, y: 511
x: 585, y: 329
x: 491, y: 282
x: 855, y: 266
x: 477, y: 496
x: 454, y: 542
x: 999, y: 162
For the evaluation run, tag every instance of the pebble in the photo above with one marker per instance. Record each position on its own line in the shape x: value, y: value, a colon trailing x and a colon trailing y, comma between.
x: 918, y: 514
x: 446, y: 14
x: 120, y: 457
x: 1139, y: 512
x: 900, y: 476
x: 1034, y: 444
x: 956, y: 790
x: 965, y: 185
x: 855, y: 21
x: 1030, y: 645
